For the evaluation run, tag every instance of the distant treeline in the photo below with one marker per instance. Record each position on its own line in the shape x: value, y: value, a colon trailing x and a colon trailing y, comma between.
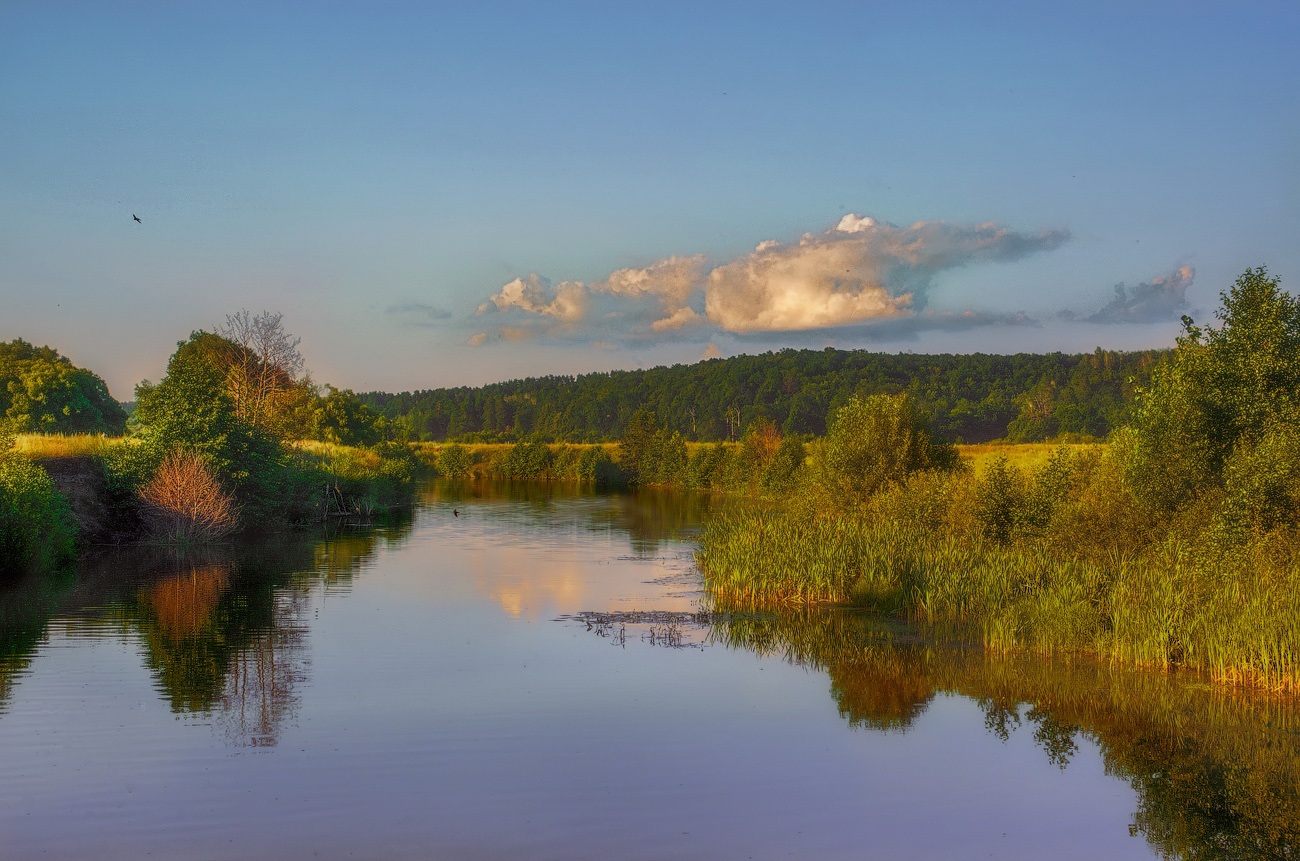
x: 972, y: 398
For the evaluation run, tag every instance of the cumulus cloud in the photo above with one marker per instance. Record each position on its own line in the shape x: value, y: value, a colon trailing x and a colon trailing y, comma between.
x: 672, y: 282
x: 533, y: 294
x: 1162, y: 298
x: 858, y: 271
x: 861, y: 272
x: 416, y: 313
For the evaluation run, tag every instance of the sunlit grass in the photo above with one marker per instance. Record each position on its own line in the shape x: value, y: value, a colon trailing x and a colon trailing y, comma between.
x: 1025, y: 456
x: 1229, y: 611
x: 39, y: 446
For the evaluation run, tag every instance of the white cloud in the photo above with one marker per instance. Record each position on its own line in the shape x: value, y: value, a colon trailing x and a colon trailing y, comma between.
x: 861, y: 272
x: 532, y: 294
x: 684, y: 316
x: 672, y: 282
x: 858, y: 271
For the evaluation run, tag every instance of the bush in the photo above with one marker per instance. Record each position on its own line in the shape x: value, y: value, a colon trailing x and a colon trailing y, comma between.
x: 455, y: 461
x: 877, y: 440
x: 184, y: 502
x: 522, y: 461
x: 36, y: 528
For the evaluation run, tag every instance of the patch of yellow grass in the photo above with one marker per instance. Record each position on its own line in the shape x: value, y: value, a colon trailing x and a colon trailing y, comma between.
x: 41, y: 446
x: 329, y: 452
x: 1026, y: 456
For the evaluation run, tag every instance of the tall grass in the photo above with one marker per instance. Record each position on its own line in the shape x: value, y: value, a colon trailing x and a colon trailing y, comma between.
x: 40, y: 446
x: 1177, y: 596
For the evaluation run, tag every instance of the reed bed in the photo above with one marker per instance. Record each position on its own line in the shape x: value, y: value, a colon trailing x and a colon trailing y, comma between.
x: 1232, y: 614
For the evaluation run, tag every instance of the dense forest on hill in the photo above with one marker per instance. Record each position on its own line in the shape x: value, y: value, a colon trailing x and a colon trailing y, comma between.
x: 42, y: 391
x: 972, y: 398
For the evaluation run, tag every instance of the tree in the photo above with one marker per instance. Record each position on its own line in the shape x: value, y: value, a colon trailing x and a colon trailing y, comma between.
x: 192, y: 409
x: 263, y: 367
x: 1222, y: 390
x: 344, y: 419
x: 43, y: 392
x: 877, y: 440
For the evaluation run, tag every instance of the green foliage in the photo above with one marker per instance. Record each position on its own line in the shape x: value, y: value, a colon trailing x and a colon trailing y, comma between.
x: 650, y: 454
x: 1261, y: 483
x: 454, y: 461
x: 43, y: 392
x: 1223, y: 388
x: 783, y: 471
x: 36, y: 528
x: 1000, y: 499
x: 342, y: 418
x: 971, y: 397
x: 522, y: 461
x: 877, y: 440
x: 637, y: 447
x: 192, y: 409
x: 1180, y: 546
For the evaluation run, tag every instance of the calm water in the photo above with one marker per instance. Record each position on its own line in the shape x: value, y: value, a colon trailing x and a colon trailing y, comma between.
x: 536, y: 679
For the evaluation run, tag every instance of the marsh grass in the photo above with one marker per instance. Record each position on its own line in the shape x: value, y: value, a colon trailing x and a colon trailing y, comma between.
x: 1183, y: 596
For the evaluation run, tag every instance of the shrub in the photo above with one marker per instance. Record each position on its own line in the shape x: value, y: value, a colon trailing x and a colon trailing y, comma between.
x: 455, y: 461
x: 36, y: 529
x: 523, y: 460
x: 184, y: 501
x: 877, y: 440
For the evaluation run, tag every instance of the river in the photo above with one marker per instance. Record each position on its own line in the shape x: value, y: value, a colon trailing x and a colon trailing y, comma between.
x: 532, y: 671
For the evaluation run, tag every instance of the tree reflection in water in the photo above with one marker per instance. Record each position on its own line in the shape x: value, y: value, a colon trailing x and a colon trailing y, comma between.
x: 1217, y: 772
x: 223, y: 630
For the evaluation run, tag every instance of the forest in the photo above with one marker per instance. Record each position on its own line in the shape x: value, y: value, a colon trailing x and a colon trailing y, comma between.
x: 969, y: 398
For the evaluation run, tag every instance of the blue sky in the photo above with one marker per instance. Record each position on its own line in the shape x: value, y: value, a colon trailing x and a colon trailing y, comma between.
x: 382, y: 175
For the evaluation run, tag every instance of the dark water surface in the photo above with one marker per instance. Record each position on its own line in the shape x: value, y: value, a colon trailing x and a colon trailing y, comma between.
x: 539, y: 678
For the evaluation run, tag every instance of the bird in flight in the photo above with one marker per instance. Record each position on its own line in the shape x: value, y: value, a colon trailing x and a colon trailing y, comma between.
x: 137, y: 218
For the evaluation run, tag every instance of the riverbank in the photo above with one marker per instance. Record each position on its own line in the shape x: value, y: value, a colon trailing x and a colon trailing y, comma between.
x: 64, y: 492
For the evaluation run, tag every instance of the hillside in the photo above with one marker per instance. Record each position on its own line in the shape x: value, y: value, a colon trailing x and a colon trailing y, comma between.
x: 973, y: 398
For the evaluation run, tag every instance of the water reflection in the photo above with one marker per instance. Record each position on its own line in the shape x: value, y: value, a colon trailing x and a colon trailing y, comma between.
x: 223, y: 631
x: 649, y: 517
x: 1217, y: 773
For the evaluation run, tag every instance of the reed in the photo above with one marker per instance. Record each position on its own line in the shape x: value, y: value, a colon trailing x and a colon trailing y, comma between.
x: 1187, y: 597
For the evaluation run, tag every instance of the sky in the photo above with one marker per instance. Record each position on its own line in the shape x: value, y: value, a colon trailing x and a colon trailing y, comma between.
x: 453, y: 194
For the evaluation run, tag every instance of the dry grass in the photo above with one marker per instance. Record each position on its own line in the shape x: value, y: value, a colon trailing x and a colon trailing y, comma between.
x: 40, y: 446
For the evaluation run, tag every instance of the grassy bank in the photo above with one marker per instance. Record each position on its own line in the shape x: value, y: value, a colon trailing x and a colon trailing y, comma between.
x: 57, y: 490
x: 1081, y: 580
